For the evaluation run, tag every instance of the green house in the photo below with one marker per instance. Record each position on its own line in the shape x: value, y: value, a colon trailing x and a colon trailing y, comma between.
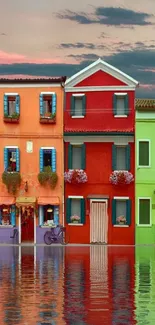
x: 145, y: 171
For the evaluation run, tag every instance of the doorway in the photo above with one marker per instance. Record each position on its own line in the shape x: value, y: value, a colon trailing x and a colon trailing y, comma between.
x: 27, y: 224
x: 98, y: 221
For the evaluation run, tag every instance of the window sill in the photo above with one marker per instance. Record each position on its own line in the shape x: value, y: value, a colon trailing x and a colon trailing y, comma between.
x: 47, y: 120
x: 144, y: 226
x: 75, y: 224
x: 47, y: 227
x: 7, y: 226
x: 78, y: 116
x: 120, y: 116
x: 121, y: 226
x: 10, y: 120
x: 140, y: 167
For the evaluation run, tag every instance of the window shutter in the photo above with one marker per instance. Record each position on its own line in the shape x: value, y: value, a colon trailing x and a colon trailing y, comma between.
x: 113, y: 211
x: 128, y: 157
x: 83, y: 211
x: 83, y: 156
x: 69, y: 156
x: 68, y: 210
x: 5, y: 105
x: 41, y: 215
x: 13, y: 215
x: 114, y: 104
x: 114, y: 156
x: 41, y: 105
x: 17, y: 160
x: 54, y: 103
x: 72, y: 110
x: 6, y: 158
x: 126, y: 102
x: 41, y: 158
x: 17, y: 104
x: 128, y: 212
x: 53, y: 160
x: 84, y: 105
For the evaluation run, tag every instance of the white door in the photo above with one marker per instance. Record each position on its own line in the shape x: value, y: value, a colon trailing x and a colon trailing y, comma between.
x: 98, y: 222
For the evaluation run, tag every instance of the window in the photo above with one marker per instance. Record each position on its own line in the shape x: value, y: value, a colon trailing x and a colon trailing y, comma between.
x: 76, y: 156
x: 11, y: 159
x: 78, y: 105
x: 120, y: 105
x: 121, y: 157
x: 121, y: 211
x: 48, y: 214
x: 144, y: 211
x: 144, y: 153
x: 47, y: 104
x: 7, y: 215
x: 11, y: 105
x: 75, y: 210
x: 48, y: 158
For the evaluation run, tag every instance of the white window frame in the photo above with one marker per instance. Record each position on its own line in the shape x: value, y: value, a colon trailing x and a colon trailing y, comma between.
x: 121, y: 198
x: 75, y: 197
x: 124, y: 146
x: 11, y: 147
x: 78, y: 95
x: 144, y: 140
x: 145, y: 198
x: 121, y: 95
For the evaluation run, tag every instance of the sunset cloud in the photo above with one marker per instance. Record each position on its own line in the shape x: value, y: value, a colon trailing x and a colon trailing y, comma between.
x: 9, y: 58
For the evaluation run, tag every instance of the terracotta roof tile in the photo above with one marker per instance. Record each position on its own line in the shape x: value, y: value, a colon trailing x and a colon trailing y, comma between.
x: 145, y: 104
x: 28, y: 78
x: 69, y: 130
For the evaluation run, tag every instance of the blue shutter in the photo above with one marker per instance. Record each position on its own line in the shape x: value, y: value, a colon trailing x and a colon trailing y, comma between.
x: 41, y: 105
x: 128, y: 212
x: 68, y: 210
x: 115, y: 104
x: 83, y: 156
x: 41, y: 159
x: 83, y: 219
x: 5, y: 105
x: 6, y: 165
x: 17, y: 160
x: 56, y: 215
x: 69, y: 156
x: 13, y: 215
x: 72, y: 108
x: 126, y: 102
x: 41, y: 215
x: 0, y: 217
x: 53, y: 160
x: 114, y: 212
x: 128, y: 157
x: 17, y: 104
x: 84, y: 105
x: 114, y: 157
x: 54, y: 103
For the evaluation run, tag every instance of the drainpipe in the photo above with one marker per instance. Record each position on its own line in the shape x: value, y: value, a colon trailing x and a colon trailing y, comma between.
x: 63, y: 165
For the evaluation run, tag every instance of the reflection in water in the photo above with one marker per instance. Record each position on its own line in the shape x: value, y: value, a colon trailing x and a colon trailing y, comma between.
x: 77, y: 285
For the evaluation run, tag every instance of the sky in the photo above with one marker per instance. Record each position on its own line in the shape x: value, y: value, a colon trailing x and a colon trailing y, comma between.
x: 51, y: 38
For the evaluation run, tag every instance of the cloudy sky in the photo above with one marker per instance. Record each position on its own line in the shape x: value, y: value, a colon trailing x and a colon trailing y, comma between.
x: 47, y: 37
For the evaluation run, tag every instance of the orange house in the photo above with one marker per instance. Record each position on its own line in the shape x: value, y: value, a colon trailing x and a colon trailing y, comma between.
x: 31, y: 157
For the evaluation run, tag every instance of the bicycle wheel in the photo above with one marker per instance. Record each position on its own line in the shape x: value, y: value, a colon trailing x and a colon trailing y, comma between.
x: 64, y: 238
x: 48, y: 238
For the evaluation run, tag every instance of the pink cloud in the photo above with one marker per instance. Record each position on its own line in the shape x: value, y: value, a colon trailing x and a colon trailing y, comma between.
x: 147, y: 86
x: 10, y: 58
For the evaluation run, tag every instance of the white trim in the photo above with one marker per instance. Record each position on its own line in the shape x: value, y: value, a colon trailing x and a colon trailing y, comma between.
x: 100, y: 65
x: 116, y: 139
x: 7, y: 226
x: 11, y: 94
x: 117, y: 116
x: 76, y: 144
x: 78, y: 116
x: 121, y: 198
x: 121, y: 226
x: 75, y: 197
x: 44, y: 148
x: 143, y: 140
x: 120, y: 94
x: 145, y: 198
x: 98, y: 88
x: 29, y: 85
x: 47, y: 93
x: 20, y: 226
x: 78, y: 95
x: 99, y: 200
x: 75, y: 224
x: 11, y: 147
x: 35, y: 229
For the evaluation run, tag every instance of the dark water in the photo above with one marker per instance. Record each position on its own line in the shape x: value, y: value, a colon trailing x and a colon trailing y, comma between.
x: 77, y: 285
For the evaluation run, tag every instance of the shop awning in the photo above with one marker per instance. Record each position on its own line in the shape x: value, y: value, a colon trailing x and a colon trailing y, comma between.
x: 52, y: 200
x: 25, y: 201
x: 97, y: 196
x: 7, y: 200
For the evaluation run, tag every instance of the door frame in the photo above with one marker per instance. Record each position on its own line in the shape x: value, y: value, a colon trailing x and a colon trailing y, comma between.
x: 20, y: 227
x: 95, y: 201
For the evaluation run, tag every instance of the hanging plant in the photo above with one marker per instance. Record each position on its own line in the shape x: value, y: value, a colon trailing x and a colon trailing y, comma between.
x: 47, y: 177
x: 12, y: 180
x: 75, y: 176
x: 121, y: 177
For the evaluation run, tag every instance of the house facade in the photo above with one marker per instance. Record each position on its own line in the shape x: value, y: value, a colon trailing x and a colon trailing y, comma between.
x: 100, y: 155
x: 31, y: 157
x: 145, y: 176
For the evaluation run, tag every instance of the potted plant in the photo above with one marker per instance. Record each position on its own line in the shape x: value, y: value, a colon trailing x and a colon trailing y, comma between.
x: 121, y: 220
x: 47, y: 177
x: 13, y: 118
x: 121, y: 177
x: 75, y: 219
x: 75, y: 176
x: 48, y: 118
x: 12, y: 180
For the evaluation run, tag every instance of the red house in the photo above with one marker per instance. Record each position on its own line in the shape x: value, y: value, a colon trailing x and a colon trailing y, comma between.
x: 99, y: 156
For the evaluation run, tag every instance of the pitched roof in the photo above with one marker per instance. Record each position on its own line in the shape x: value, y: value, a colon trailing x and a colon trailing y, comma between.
x: 145, y: 104
x: 104, y: 66
x: 30, y: 79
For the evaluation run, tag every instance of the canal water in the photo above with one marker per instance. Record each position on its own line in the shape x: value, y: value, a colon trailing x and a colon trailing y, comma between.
x: 95, y: 285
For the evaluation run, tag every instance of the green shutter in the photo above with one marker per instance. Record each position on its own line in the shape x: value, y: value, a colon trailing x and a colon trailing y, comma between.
x: 144, y: 211
x: 69, y: 156
x: 113, y: 211
x: 83, y: 156
x: 72, y: 109
x: 68, y: 210
x: 126, y: 104
x: 115, y: 104
x: 114, y: 157
x: 128, y: 212
x: 128, y: 157
x: 144, y: 153
x: 83, y: 219
x: 84, y: 105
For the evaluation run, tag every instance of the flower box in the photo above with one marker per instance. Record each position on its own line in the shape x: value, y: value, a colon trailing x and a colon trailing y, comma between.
x: 121, y: 178
x: 75, y: 219
x: 121, y: 220
x: 75, y: 176
x: 47, y: 120
x: 9, y: 119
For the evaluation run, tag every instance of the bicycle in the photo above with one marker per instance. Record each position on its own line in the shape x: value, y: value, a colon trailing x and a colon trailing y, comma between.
x: 56, y: 235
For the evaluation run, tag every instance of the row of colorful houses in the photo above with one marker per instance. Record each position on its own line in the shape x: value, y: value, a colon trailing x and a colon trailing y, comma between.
x: 77, y: 152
